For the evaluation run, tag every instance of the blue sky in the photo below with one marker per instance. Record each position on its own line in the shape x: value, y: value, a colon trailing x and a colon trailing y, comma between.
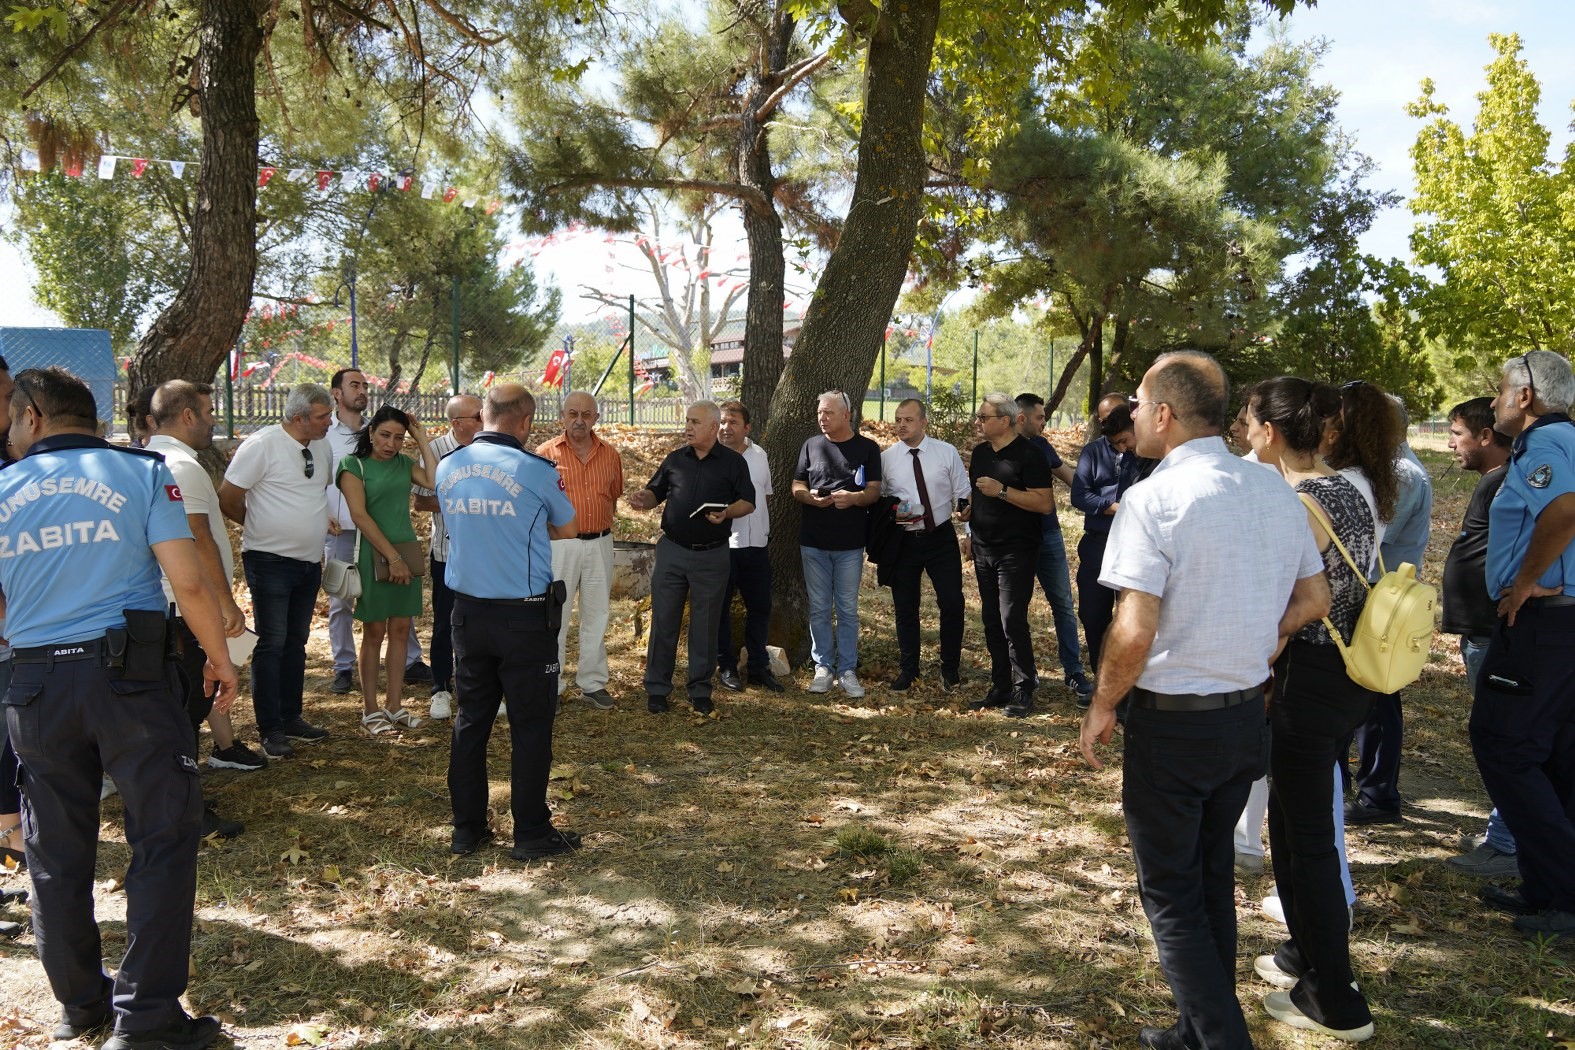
x: 1379, y: 52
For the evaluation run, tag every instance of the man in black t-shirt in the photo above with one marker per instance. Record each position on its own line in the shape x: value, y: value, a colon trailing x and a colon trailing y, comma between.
x: 1469, y: 610
x: 705, y: 485
x: 837, y: 479
x: 1011, y: 491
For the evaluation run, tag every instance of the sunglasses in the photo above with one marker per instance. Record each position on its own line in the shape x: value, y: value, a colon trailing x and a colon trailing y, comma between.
x: 308, y: 462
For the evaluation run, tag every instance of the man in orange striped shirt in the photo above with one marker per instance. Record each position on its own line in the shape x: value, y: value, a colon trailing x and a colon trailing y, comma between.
x: 593, y: 478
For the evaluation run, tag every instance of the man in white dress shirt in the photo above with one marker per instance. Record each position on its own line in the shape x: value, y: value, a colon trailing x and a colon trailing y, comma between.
x: 750, y: 571
x: 927, y: 477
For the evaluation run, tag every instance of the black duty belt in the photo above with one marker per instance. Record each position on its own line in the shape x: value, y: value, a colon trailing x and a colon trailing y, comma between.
x: 698, y: 546
x: 92, y: 649
x: 1552, y: 601
x: 539, y: 599
x: 594, y: 535
x: 1194, y: 701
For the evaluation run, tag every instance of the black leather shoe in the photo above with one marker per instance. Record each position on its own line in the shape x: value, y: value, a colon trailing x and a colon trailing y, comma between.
x: 1021, y: 704
x: 213, y: 824
x: 1358, y: 813
x: 702, y: 706
x: 1161, y: 1039
x: 950, y: 680
x: 68, y: 1030
x: 730, y: 680
x: 548, y: 845
x: 419, y: 672
x: 903, y: 682
x: 1547, y: 924
x: 767, y: 679
x: 189, y: 1033
x: 657, y: 705
x: 465, y: 843
x: 996, y: 697
x: 1506, y: 900
x: 344, y: 681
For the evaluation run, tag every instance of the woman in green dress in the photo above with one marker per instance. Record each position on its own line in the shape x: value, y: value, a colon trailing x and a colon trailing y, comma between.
x: 376, y: 480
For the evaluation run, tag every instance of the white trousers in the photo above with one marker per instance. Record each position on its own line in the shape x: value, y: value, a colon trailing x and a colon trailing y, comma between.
x: 586, y: 569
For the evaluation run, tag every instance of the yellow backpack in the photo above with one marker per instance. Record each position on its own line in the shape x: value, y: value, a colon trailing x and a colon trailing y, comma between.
x: 1389, y: 646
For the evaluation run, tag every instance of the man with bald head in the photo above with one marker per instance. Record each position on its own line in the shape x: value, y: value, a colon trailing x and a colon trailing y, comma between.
x: 705, y: 485
x: 593, y: 477
x: 1205, y: 531
x: 464, y: 423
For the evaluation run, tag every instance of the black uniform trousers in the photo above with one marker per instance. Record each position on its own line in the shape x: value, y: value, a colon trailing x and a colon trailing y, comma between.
x: 1006, y: 583
x: 1096, y: 603
x: 1185, y: 780
x: 441, y: 652
x: 503, y: 651
x: 70, y: 724
x: 1523, y: 734
x: 936, y: 553
x: 1316, y: 708
x: 749, y: 575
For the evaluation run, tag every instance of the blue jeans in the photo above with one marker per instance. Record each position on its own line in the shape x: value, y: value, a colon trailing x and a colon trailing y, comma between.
x: 832, y: 577
x: 284, y: 597
x: 1472, y: 649
x: 1056, y: 579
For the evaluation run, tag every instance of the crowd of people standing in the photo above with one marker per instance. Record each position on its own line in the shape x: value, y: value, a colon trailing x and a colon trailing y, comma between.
x: 1281, y: 545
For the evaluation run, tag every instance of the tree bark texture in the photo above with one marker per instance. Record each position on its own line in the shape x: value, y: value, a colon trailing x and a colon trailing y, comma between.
x: 762, y: 366
x: 847, y: 318
x: 195, y: 332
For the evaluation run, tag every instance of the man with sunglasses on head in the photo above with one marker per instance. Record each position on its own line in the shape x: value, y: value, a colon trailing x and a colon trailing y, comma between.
x: 1525, y: 694
x: 276, y: 489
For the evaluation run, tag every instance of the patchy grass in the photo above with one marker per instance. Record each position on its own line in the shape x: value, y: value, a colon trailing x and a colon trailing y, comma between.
x: 798, y: 871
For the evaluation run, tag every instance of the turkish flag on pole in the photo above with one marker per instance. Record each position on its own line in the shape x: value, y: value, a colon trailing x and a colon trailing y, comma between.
x: 553, y: 374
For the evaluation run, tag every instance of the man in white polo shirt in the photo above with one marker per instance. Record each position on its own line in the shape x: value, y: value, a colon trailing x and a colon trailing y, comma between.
x: 749, y: 574
x: 275, y: 488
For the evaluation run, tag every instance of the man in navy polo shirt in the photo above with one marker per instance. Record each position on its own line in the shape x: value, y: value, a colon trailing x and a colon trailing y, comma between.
x: 503, y: 506
x: 1525, y: 699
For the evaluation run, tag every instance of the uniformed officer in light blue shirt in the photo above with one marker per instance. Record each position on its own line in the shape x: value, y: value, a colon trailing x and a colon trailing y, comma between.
x: 84, y: 531
x: 1525, y: 696
x: 503, y: 506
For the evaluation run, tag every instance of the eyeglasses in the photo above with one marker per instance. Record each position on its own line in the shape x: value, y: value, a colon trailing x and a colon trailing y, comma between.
x: 1352, y: 385
x: 308, y: 462
x: 1531, y: 384
x: 456, y: 419
x: 21, y: 384
x: 1134, y: 402
x: 982, y: 416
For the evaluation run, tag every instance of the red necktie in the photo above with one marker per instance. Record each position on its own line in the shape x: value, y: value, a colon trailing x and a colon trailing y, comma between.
x: 924, y: 491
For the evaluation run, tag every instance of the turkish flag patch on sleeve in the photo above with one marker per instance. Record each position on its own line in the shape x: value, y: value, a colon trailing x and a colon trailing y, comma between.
x: 172, y: 492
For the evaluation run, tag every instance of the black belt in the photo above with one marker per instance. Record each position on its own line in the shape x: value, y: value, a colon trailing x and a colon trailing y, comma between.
x: 1552, y: 601
x: 539, y: 599
x: 92, y: 649
x: 1194, y: 701
x: 697, y: 546
x: 594, y: 535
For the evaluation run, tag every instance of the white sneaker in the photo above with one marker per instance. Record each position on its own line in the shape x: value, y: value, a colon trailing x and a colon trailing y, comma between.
x: 1273, y: 908
x: 107, y: 789
x: 1265, y: 967
x: 442, y: 705
x: 1280, y: 1007
x: 850, y: 683
x: 822, y: 682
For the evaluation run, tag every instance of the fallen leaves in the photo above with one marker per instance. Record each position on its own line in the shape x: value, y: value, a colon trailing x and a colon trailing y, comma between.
x: 306, y: 1035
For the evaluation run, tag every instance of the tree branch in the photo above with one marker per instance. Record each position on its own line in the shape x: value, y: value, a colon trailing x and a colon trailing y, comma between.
x: 118, y: 8
x: 726, y: 189
x: 462, y: 26
x: 792, y: 77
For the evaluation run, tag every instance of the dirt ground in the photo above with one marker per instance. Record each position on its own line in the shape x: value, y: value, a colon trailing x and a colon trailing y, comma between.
x: 798, y: 871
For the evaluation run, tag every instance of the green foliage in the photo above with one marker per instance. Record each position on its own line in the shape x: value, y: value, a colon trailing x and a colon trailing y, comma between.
x: 1492, y: 222
x: 863, y: 843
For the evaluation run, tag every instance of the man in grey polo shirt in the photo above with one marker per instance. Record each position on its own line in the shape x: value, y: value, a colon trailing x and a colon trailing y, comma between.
x: 1204, y: 532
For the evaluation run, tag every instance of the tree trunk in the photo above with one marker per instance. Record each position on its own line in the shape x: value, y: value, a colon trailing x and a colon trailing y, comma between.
x: 1094, y: 343
x: 1069, y: 373
x: 1118, y: 348
x: 762, y: 366
x: 191, y: 337
x: 847, y: 318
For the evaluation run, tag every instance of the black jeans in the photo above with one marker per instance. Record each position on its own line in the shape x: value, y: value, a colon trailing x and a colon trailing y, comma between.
x: 442, y: 651
x: 284, y: 598
x: 1006, y: 583
x: 936, y: 553
x: 70, y: 725
x: 1523, y: 734
x: 1378, y: 743
x: 1316, y: 708
x: 503, y: 653
x: 1185, y: 780
x: 1096, y: 603
x: 749, y: 575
